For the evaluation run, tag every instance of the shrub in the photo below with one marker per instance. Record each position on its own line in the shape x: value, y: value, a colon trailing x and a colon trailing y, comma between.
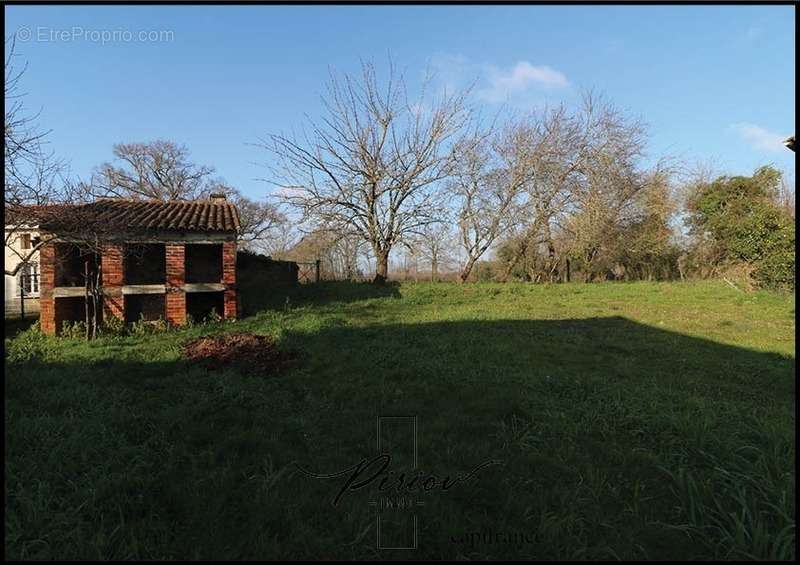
x: 112, y: 326
x: 486, y: 271
x: 73, y: 330
x: 147, y: 327
x: 738, y: 217
x: 28, y: 345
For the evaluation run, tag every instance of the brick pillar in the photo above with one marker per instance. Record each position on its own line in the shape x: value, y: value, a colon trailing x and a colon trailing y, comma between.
x: 176, y: 278
x: 229, y: 279
x: 112, y: 265
x: 47, y: 281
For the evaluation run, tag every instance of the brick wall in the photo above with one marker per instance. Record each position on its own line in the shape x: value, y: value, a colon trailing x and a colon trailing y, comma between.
x: 113, y: 264
x: 47, y: 277
x: 229, y: 279
x: 176, y: 278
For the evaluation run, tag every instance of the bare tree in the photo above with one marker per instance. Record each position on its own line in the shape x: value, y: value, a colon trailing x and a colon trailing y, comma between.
x: 370, y: 167
x: 282, y: 239
x: 259, y: 220
x: 647, y: 248
x: 784, y: 197
x: 409, y: 267
x: 162, y: 170
x: 605, y: 200
x: 344, y: 256
x: 560, y: 142
x: 157, y: 169
x: 33, y: 176
x: 489, y: 184
x: 584, y: 180
x: 434, y: 243
x: 338, y: 253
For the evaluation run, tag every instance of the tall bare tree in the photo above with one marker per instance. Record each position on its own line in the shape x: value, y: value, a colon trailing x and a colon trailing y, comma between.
x: 784, y: 196
x: 556, y: 163
x: 371, y: 165
x: 159, y: 170
x: 490, y: 181
x: 162, y: 170
x: 259, y: 220
x: 585, y: 177
x: 613, y: 145
x: 33, y: 176
x: 434, y: 244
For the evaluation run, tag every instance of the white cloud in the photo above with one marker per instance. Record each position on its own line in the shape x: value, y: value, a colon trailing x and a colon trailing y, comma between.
x: 760, y: 138
x: 520, y: 78
x: 493, y: 83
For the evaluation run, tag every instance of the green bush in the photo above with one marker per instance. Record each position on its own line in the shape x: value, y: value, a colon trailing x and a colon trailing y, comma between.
x: 486, y: 271
x: 148, y: 327
x: 113, y: 326
x: 738, y: 216
x: 28, y: 345
x: 776, y: 270
x: 73, y: 330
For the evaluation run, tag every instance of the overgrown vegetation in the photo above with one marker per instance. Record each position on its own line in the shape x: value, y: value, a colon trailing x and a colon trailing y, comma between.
x: 738, y: 220
x: 633, y: 420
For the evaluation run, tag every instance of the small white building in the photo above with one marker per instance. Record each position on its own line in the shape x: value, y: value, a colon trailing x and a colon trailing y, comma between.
x: 20, y: 244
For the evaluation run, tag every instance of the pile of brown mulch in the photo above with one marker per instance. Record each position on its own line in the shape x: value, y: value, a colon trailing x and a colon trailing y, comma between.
x: 255, y: 354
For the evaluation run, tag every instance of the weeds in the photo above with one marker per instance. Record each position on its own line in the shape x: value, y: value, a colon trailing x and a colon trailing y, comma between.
x: 738, y: 507
x: 631, y: 422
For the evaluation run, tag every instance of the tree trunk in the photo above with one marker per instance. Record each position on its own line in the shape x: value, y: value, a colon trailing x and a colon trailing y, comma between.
x: 381, y: 267
x: 590, y: 255
x: 467, y: 269
x: 518, y: 254
x: 434, y: 270
x: 552, y: 261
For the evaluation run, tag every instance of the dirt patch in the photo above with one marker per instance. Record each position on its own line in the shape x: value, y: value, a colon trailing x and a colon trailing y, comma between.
x: 250, y: 353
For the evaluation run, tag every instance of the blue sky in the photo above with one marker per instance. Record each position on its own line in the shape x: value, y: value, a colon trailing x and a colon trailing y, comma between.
x: 714, y: 84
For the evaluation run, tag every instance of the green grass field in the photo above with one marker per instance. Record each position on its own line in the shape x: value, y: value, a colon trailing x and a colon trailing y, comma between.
x: 635, y: 420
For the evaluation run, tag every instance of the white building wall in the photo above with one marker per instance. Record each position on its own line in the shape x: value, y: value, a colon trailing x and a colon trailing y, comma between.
x: 13, y: 250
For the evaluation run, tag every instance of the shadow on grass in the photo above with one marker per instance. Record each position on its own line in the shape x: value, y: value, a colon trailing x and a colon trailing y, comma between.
x: 15, y: 324
x: 258, y: 295
x: 587, y: 416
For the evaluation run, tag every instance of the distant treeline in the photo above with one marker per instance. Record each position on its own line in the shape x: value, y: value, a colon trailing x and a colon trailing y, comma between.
x: 738, y: 226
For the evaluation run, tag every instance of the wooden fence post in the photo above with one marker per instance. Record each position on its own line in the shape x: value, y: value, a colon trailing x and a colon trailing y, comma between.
x: 316, y: 270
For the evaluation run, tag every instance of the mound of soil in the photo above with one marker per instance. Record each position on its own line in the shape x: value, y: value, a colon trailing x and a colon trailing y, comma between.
x: 255, y: 354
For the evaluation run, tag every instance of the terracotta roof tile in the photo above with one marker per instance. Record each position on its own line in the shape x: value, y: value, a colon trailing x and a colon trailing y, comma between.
x: 137, y: 215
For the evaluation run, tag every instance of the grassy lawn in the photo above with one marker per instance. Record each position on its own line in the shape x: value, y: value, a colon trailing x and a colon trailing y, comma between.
x: 633, y: 420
